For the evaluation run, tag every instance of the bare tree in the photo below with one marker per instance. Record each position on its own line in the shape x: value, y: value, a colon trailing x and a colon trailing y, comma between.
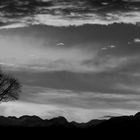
x: 9, y: 87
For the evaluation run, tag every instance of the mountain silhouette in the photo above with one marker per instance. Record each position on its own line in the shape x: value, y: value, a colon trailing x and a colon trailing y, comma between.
x: 34, y: 121
x: 122, y: 122
x: 35, y: 126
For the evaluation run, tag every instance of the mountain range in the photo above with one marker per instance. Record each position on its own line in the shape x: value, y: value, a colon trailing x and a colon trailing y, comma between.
x: 60, y: 122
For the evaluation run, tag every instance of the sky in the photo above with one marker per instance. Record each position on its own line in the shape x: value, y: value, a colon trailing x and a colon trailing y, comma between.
x: 78, y: 59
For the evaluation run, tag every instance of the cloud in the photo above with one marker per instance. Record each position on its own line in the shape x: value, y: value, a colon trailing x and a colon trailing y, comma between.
x: 136, y: 40
x: 132, y: 0
x: 70, y: 13
x: 60, y: 44
x: 14, y: 25
x: 71, y: 64
x: 43, y: 56
x: 81, y: 99
x: 13, y: 56
x: 110, y: 18
x: 60, y: 21
x: 128, y: 87
x: 74, y: 105
x: 81, y: 53
x: 50, y: 111
x: 42, y: 59
x: 45, y: 94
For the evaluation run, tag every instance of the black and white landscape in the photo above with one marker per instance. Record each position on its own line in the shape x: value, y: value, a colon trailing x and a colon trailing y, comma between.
x: 79, y: 59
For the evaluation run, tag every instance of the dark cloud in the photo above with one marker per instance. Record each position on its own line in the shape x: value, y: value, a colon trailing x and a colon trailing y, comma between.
x: 65, y: 13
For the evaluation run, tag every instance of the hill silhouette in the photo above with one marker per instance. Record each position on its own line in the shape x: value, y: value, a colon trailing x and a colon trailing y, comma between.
x: 115, y: 127
x: 35, y: 121
x: 122, y: 122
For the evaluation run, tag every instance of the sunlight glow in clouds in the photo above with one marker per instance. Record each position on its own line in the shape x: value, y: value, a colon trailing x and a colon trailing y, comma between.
x: 43, y: 57
x: 60, y: 21
x: 119, y: 17
x: 49, y: 111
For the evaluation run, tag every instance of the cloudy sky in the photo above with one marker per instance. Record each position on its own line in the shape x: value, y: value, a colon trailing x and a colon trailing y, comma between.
x: 78, y: 59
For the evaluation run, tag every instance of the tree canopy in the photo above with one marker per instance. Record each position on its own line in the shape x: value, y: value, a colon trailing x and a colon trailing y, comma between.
x: 10, y: 87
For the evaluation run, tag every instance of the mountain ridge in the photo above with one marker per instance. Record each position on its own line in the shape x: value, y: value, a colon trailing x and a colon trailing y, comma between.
x: 115, y: 127
x: 35, y: 121
x: 61, y: 122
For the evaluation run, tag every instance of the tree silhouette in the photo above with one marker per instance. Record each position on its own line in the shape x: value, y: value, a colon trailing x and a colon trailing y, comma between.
x: 9, y: 87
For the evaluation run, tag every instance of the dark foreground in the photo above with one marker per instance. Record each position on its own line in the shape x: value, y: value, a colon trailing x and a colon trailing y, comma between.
x: 27, y: 127
x: 116, y: 125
